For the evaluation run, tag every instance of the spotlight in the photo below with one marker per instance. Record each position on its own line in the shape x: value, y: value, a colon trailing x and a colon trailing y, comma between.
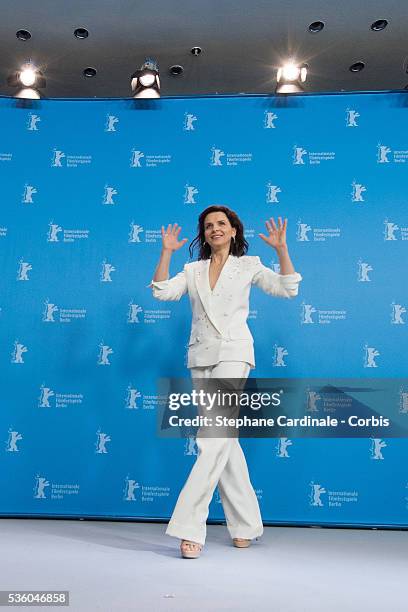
x: 145, y: 82
x: 23, y: 35
x: 316, y: 26
x: 357, y: 67
x: 29, y: 80
x: 81, y: 33
x: 89, y: 72
x: 290, y: 78
x: 176, y: 70
x: 379, y: 25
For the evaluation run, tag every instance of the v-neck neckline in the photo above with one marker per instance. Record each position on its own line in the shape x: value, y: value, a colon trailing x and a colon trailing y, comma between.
x: 219, y: 276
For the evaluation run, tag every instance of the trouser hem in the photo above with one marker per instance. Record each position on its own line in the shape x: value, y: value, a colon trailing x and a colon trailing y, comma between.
x: 185, y: 532
x: 247, y: 533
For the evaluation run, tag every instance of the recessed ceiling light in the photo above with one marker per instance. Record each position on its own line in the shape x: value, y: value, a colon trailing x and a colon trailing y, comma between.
x: 316, y: 26
x: 81, y: 33
x: 176, y: 70
x: 378, y: 25
x: 357, y: 67
x: 196, y: 50
x: 23, y: 35
x: 89, y: 72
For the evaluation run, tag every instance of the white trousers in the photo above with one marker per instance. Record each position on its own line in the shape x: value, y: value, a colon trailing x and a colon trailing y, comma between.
x: 219, y: 461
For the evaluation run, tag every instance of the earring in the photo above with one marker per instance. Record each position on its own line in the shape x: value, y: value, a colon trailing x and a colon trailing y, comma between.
x: 233, y: 238
x: 204, y: 243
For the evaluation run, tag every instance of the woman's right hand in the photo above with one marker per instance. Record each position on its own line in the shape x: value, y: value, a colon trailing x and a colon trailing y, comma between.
x: 170, y: 238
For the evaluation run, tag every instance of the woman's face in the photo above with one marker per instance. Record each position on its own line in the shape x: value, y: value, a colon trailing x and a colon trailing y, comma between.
x: 218, y: 230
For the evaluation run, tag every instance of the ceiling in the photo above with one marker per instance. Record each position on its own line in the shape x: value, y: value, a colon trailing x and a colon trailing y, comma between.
x: 243, y: 43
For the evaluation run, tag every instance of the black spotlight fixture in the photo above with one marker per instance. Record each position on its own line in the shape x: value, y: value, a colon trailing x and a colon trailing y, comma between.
x: 145, y: 82
x: 81, y: 33
x: 23, y: 35
x: 176, y: 70
x: 89, y: 72
x: 316, y: 26
x: 29, y: 79
x: 378, y: 25
x: 290, y: 77
x: 357, y: 67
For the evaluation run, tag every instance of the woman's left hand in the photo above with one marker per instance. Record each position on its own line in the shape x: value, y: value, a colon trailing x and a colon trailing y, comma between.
x: 277, y: 235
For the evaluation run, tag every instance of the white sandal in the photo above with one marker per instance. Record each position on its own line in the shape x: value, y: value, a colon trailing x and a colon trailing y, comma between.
x: 241, y: 542
x: 190, y: 550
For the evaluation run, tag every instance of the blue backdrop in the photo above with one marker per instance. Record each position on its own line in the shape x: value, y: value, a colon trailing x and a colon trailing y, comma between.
x: 87, y: 185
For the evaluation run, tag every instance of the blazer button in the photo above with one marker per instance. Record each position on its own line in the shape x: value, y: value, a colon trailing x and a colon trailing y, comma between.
x: 198, y: 338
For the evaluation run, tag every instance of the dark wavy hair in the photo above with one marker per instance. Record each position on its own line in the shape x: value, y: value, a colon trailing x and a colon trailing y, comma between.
x: 238, y: 247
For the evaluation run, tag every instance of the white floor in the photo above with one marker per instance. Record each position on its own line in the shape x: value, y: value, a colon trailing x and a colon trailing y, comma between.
x: 121, y: 566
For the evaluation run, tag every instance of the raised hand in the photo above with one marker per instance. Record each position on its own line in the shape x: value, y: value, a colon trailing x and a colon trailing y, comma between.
x: 276, y: 235
x: 170, y: 240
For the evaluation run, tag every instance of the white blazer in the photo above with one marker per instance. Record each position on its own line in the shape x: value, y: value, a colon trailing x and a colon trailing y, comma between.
x: 219, y: 330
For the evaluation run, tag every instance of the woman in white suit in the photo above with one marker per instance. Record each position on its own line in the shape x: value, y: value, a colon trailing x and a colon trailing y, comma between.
x: 220, y: 346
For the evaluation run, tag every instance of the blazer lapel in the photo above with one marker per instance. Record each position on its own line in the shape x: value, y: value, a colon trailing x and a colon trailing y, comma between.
x: 203, y: 287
